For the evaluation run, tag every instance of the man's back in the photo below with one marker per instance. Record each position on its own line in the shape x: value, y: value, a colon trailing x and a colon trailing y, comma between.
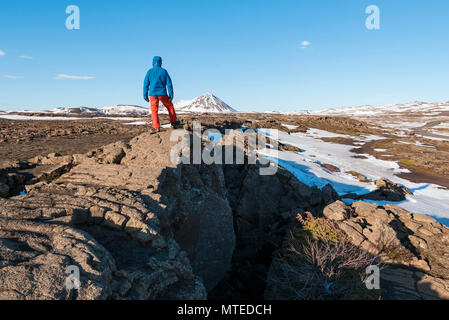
x: 157, y: 81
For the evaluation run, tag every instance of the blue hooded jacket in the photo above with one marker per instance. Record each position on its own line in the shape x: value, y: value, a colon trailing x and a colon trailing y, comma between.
x: 157, y: 81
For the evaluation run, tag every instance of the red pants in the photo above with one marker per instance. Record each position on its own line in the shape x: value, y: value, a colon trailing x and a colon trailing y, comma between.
x: 154, y: 102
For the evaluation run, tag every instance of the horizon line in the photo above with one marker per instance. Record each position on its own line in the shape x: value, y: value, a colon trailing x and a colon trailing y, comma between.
x: 268, y: 109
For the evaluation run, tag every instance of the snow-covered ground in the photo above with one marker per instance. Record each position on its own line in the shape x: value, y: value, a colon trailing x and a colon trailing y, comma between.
x: 420, y: 108
x: 444, y: 125
x: 404, y: 125
x: 433, y: 138
x: 22, y: 117
x: 427, y: 198
x: 441, y: 133
x: 289, y: 126
x: 317, y: 133
x: 136, y: 123
x: 44, y: 118
x: 416, y: 143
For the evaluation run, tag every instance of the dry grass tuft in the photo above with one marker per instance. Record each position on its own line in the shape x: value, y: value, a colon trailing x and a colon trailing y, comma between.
x: 319, y: 262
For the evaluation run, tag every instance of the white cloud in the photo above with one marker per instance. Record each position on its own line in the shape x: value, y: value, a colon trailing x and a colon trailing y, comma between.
x: 26, y: 57
x: 12, y: 77
x: 305, y: 44
x: 2, y: 53
x: 69, y: 77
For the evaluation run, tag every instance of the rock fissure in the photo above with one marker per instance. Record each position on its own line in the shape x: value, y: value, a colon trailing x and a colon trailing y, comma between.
x: 140, y: 227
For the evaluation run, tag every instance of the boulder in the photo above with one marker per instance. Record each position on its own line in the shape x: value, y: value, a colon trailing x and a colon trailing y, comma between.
x: 207, y: 235
x: 35, y: 257
x: 4, y: 190
x: 337, y: 211
x: 387, y: 190
x: 370, y: 211
x: 405, y: 242
x: 329, y: 194
x: 405, y: 284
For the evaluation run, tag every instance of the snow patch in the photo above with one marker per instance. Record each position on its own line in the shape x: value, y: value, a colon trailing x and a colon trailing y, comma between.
x: 289, y: 126
x: 427, y: 198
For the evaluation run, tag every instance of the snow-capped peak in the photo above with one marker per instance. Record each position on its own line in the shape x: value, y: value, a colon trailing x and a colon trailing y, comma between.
x: 207, y: 103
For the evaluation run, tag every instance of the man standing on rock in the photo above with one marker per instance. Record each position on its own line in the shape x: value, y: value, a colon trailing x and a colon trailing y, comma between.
x: 156, y: 82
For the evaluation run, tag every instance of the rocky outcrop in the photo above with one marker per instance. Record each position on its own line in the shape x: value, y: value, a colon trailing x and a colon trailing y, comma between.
x: 167, y: 229
x: 4, y: 190
x: 387, y: 190
x: 138, y: 226
x: 35, y: 255
x: 10, y: 183
x: 337, y: 211
x: 111, y: 216
x: 198, y: 208
x: 413, y: 247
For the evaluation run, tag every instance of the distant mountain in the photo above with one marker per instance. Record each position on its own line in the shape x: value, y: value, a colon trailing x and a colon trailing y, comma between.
x: 207, y: 103
x: 75, y: 110
x: 413, y: 108
x: 127, y: 110
x: 117, y: 110
x: 416, y: 108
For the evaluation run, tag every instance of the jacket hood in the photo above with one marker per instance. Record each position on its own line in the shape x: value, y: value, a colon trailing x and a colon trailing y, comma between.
x: 157, y: 61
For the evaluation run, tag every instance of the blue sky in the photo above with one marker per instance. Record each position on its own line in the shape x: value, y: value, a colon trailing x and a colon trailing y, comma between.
x: 247, y: 52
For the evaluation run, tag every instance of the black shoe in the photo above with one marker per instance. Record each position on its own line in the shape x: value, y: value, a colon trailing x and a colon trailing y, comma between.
x: 176, y: 125
x: 155, y: 130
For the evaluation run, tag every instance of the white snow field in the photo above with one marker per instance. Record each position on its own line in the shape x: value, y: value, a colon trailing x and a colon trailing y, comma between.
x: 433, y: 138
x: 289, y: 126
x: 417, y: 107
x: 44, y: 118
x: 441, y: 133
x: 444, y: 125
x: 427, y: 198
x: 136, y: 123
